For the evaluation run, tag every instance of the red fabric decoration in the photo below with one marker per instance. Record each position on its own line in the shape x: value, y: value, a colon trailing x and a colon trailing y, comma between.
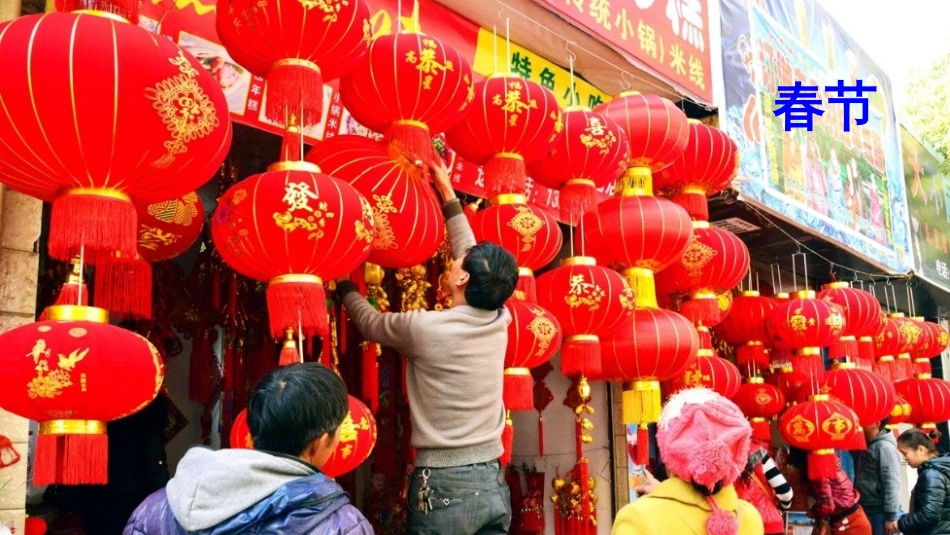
x: 929, y: 399
x: 511, y: 123
x: 707, y: 166
x: 67, y: 382
x: 591, y: 152
x: 867, y: 393
x: 588, y: 301
x: 711, y: 372
x: 103, y: 158
x: 806, y: 324
x: 888, y: 345
x: 862, y: 314
x: 293, y: 227
x: 760, y: 402
x: 745, y: 328
x: 408, y: 216
x: 534, y: 335
x: 124, y: 287
x: 169, y: 228
x: 790, y: 382
x: 410, y: 86
x: 297, y: 45
x: 901, y: 412
x: 657, y: 131
x: 819, y: 426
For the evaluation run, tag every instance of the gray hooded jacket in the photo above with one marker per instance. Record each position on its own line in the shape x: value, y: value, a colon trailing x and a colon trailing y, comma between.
x: 877, y: 475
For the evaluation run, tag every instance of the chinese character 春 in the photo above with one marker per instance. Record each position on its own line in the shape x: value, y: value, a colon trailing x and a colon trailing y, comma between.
x: 547, y: 78
x: 798, y: 104
x: 521, y: 65
x: 696, y: 72
x: 600, y: 11
x: 647, y: 38
x: 858, y: 89
x: 625, y: 24
x: 678, y: 63
x: 686, y: 17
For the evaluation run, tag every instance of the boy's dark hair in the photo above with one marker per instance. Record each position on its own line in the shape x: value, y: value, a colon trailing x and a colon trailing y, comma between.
x: 493, y: 274
x: 294, y: 405
x: 915, y: 438
x: 885, y: 421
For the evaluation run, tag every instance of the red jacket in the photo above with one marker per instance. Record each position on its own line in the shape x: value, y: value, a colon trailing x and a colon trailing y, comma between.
x: 833, y: 497
x: 756, y: 491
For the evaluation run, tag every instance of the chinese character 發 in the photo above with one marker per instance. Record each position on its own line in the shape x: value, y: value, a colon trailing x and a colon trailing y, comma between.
x: 600, y: 10
x: 521, y: 65
x: 678, y: 63
x: 625, y: 24
x: 297, y: 196
x: 858, y: 89
x: 798, y: 104
x: 696, y: 73
x: 647, y: 38
x: 547, y: 78
x: 686, y: 17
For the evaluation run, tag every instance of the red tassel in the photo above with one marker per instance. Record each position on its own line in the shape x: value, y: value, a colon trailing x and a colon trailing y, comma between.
x: 753, y: 353
x: 326, y: 352
x: 98, y: 223
x: 695, y: 203
x: 922, y: 366
x: 856, y: 442
x: 370, y: 376
x: 292, y: 146
x: 518, y: 393
x: 71, y: 459
x: 410, y: 139
x: 540, y: 435
x: 507, y: 440
x: 127, y: 9
x: 45, y: 463
x: 761, y: 429
x: 866, y: 350
x: 885, y: 367
x: 527, y: 285
x: 705, y: 337
x: 580, y: 355
x: 124, y: 287
x: 505, y: 173
x: 289, y: 353
x: 702, y: 310
x: 297, y: 300
x: 294, y: 85
x: 905, y: 367
x: 576, y: 198
x: 643, y: 445
x: 823, y: 465
x: 846, y: 346
x: 811, y: 366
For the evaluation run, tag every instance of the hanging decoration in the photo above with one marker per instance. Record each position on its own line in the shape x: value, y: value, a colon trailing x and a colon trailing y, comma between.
x: 760, y: 402
x: 297, y: 45
x: 900, y: 414
x: 408, y: 216
x: 793, y: 384
x: 745, y: 328
x: 172, y: 134
x: 806, y: 324
x: 74, y: 290
x: 63, y: 374
x: 929, y: 399
x: 862, y: 315
x: 709, y: 371
x: 819, y: 426
x: 933, y: 342
x: 534, y: 335
x: 888, y: 344
x: 867, y: 393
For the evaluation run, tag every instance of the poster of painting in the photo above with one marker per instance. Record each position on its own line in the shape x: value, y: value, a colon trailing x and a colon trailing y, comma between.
x: 928, y: 201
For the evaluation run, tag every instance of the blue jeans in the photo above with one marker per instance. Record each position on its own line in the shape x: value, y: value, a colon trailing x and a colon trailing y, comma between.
x: 462, y: 500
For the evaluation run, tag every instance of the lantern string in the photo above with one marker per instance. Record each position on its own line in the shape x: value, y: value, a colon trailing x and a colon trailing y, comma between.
x: 399, y: 26
x: 494, y: 45
x: 887, y: 298
x: 82, y: 267
x: 508, y: 43
x: 415, y: 15
x: 570, y: 61
x: 300, y: 335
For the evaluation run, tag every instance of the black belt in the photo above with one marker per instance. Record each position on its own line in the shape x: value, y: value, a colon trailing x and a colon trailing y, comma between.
x: 846, y: 513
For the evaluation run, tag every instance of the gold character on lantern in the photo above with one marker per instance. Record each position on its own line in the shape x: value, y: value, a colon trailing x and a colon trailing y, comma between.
x: 835, y: 321
x: 179, y: 212
x: 512, y: 102
x: 184, y: 108
x: 527, y: 224
x: 697, y: 255
x: 800, y: 427
x: 798, y: 322
x: 838, y: 426
x: 152, y: 238
x: 426, y: 62
x: 597, y: 136
x: 910, y: 332
x: 584, y: 293
x: 384, y: 237
x: 543, y: 330
x: 298, y: 195
x: 51, y: 383
x: 330, y: 8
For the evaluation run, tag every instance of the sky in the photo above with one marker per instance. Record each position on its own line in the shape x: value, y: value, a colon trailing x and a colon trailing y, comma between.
x: 898, y: 35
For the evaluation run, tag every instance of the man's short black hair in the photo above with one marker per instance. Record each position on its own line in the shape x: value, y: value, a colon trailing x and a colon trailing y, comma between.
x: 294, y: 405
x: 493, y: 274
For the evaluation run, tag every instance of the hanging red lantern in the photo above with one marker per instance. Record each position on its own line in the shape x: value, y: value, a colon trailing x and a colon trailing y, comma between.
x: 760, y: 402
x: 530, y: 233
x: 888, y: 345
x: 790, y: 382
x: 901, y: 413
x: 293, y: 227
x: 297, y: 46
x: 657, y: 131
x: 534, y: 335
x: 867, y: 393
x: 410, y: 87
x: 712, y: 372
x: 591, y: 152
x: 63, y: 374
x: 933, y: 342
x: 806, y: 324
x: 588, y: 301
x: 512, y: 122
x: 408, y: 216
x: 745, y: 328
x: 819, y: 426
x: 706, y: 167
x: 172, y: 134
x: 929, y: 399
x: 715, y: 261
x: 862, y: 315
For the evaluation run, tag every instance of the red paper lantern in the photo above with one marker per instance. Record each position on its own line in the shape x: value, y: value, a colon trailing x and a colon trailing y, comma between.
x: 72, y: 374
x: 410, y: 87
x: 806, y: 324
x: 707, y: 166
x: 862, y: 315
x: 534, y: 335
x: 408, y: 217
x: 297, y: 45
x: 929, y: 399
x: 790, y: 382
x: 512, y: 122
x: 871, y: 397
x: 657, y: 131
x: 169, y: 228
x: 655, y: 345
x: 760, y: 402
x: 588, y: 301
x: 745, y: 328
x: 819, y: 426
x: 889, y: 344
x: 715, y: 261
x: 293, y: 227
x: 933, y: 343
x: 901, y: 413
x: 712, y: 372
x: 530, y: 233
x: 143, y: 122
x: 241, y: 438
x: 591, y: 152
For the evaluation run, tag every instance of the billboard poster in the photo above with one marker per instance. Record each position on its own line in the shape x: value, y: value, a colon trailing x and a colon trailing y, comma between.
x: 928, y: 198
x: 839, y: 178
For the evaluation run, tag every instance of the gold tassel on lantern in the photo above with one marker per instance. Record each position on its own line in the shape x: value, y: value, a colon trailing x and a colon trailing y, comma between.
x: 641, y: 402
x: 644, y: 286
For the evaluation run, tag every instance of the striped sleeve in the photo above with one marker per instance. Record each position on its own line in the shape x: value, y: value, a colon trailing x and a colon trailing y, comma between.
x: 783, y: 491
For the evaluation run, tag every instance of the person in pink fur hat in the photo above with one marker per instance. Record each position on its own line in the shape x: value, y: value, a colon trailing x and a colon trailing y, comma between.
x: 704, y: 440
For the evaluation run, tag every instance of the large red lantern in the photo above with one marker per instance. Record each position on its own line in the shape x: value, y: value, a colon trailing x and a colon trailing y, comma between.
x: 657, y: 131
x: 411, y: 86
x: 297, y: 45
x: 707, y: 166
x: 790, y: 382
x: 869, y: 394
x: 72, y: 374
x: 806, y: 324
x: 820, y: 426
x: 712, y: 372
x: 760, y: 402
x: 534, y: 335
x: 590, y: 153
x: 530, y: 233
x: 933, y: 342
x: 143, y: 122
x: 512, y: 122
x: 293, y: 227
x: 588, y: 301
x: 715, y: 261
x: 929, y: 399
x: 889, y: 343
x: 862, y: 314
x: 408, y: 217
x: 745, y: 328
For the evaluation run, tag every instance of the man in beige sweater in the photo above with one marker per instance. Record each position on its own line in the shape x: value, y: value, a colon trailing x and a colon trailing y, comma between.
x: 454, y: 377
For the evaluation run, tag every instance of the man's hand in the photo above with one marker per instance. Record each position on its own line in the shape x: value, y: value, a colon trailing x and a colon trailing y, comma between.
x: 648, y: 485
x: 890, y: 527
x: 441, y: 178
